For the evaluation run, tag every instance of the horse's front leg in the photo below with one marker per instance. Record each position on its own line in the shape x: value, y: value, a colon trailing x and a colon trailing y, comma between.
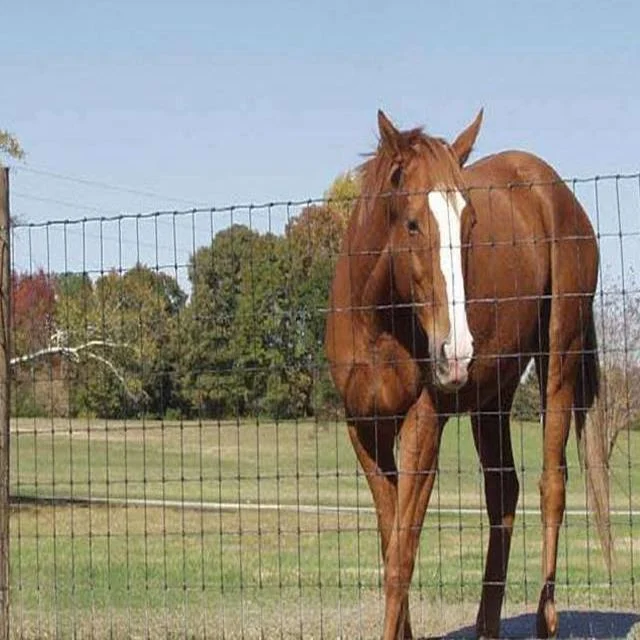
x: 419, y: 444
x: 373, y: 441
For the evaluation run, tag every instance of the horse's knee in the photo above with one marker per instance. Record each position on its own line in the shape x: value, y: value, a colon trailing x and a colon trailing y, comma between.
x: 397, y: 580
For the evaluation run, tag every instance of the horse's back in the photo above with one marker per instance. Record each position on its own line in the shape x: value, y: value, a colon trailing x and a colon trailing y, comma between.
x: 509, y: 168
x: 526, y: 177
x: 521, y: 199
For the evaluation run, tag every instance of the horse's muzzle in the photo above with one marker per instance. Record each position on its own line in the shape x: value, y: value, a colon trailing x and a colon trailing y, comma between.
x: 451, y: 372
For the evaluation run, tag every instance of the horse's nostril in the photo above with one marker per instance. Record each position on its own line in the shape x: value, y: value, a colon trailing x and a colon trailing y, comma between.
x: 448, y: 352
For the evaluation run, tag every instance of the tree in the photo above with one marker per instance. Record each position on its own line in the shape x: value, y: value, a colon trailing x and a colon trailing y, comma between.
x: 33, y: 307
x: 102, y: 348
x: 526, y: 403
x: 147, y: 310
x: 10, y: 145
x: 209, y: 363
x: 314, y: 239
x: 35, y: 389
x: 618, y: 327
x: 252, y: 333
x: 316, y: 232
x: 254, y: 327
x: 260, y: 340
x: 342, y: 195
x: 119, y: 331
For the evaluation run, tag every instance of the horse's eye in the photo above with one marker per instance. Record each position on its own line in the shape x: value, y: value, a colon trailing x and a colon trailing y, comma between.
x: 396, y: 176
x: 413, y: 227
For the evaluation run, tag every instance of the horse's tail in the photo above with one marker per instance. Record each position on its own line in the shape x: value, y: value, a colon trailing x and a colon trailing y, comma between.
x: 592, y: 440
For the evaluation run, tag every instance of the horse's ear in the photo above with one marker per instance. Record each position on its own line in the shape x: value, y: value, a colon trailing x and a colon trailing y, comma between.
x: 464, y: 142
x: 389, y: 135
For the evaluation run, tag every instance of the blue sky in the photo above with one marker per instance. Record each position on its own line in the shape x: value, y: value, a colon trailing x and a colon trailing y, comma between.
x: 231, y: 102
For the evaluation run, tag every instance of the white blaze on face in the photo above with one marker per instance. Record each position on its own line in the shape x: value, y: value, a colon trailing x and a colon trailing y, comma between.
x: 447, y: 207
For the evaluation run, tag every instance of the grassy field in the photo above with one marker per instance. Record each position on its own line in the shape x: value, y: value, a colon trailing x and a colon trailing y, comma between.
x: 113, y: 571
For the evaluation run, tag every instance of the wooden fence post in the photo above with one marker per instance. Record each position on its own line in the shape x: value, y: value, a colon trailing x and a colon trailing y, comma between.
x: 5, y: 409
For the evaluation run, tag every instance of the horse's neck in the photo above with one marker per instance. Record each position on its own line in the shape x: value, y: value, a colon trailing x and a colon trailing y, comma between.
x: 369, y: 285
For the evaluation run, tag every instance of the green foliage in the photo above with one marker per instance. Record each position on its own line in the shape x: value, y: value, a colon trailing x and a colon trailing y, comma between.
x: 526, y: 404
x: 24, y: 402
x: 10, y: 146
x: 248, y: 341
x: 315, y: 238
x: 342, y: 194
x: 248, y: 346
x: 129, y: 321
x: 209, y: 362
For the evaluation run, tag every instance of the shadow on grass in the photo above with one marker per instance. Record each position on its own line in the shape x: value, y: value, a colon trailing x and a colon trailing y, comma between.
x: 573, y: 624
x: 47, y: 501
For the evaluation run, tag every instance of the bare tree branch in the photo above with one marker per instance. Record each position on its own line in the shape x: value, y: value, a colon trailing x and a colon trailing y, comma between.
x: 73, y: 353
x: 76, y: 353
x: 117, y: 374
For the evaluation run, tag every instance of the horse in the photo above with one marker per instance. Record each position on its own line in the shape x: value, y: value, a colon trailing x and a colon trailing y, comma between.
x: 451, y: 279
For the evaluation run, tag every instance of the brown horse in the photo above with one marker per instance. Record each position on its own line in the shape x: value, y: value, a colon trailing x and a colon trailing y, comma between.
x: 450, y: 281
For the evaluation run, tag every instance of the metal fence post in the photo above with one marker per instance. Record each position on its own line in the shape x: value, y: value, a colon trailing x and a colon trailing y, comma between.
x: 5, y: 386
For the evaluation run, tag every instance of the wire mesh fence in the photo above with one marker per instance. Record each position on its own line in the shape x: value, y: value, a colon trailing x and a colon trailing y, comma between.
x: 180, y: 463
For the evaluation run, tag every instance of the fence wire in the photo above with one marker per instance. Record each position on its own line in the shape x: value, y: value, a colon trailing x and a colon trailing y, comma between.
x: 180, y: 463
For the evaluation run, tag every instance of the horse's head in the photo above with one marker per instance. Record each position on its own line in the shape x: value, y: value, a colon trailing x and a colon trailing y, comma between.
x: 428, y: 216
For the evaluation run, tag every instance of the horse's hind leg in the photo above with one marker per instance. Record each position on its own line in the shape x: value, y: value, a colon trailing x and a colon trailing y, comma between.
x: 373, y: 442
x: 561, y: 365
x: 492, y: 437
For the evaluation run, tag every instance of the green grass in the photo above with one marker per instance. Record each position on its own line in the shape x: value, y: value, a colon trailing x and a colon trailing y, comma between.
x: 250, y: 462
x: 151, y: 572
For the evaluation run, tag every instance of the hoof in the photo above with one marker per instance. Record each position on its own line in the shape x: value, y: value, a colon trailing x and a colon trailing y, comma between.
x: 547, y: 619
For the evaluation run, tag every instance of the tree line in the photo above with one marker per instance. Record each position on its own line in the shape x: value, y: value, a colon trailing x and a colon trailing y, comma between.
x: 248, y: 340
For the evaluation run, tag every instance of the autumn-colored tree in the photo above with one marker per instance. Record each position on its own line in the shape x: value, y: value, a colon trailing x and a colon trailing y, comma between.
x: 315, y: 234
x: 314, y: 240
x: 33, y: 322
x: 33, y: 307
x: 342, y: 195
